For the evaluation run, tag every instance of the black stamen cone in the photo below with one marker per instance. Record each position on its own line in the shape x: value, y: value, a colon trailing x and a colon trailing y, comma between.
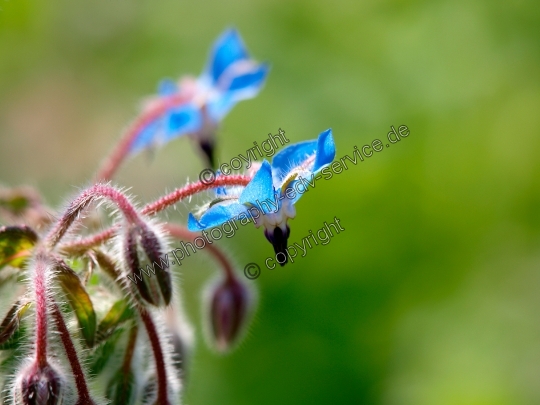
x: 208, y: 149
x: 278, y: 238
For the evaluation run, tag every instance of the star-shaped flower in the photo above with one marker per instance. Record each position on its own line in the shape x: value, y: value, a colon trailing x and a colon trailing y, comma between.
x: 196, y: 106
x: 270, y: 196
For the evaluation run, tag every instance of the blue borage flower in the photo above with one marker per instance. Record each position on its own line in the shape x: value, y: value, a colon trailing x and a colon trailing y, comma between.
x: 230, y: 76
x: 270, y: 196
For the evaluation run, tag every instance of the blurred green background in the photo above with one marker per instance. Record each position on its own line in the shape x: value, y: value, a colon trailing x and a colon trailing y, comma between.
x: 430, y: 295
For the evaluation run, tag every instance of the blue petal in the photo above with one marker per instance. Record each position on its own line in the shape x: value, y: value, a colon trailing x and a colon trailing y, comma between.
x: 147, y: 136
x: 260, y: 188
x: 307, y: 183
x: 228, y: 49
x: 220, y: 106
x: 167, y: 87
x: 182, y: 120
x: 250, y: 80
x: 216, y: 215
x: 174, y: 123
x: 292, y: 156
x: 243, y: 86
x: 326, y: 150
x: 194, y: 225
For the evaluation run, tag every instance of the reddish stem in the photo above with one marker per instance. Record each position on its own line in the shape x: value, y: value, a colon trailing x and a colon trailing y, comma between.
x: 158, y: 205
x: 113, y: 162
x: 40, y: 287
x: 191, y: 189
x: 180, y: 232
x: 83, y: 244
x: 82, y: 201
x: 162, y: 398
x: 78, y: 374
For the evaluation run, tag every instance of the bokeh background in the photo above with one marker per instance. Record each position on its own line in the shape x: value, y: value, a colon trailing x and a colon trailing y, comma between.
x: 430, y: 295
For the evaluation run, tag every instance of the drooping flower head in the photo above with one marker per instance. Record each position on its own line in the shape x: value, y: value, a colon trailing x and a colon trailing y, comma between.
x: 39, y: 384
x: 196, y: 106
x: 270, y: 196
x: 230, y: 304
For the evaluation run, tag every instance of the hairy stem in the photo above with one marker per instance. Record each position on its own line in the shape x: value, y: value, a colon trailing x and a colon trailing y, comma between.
x: 162, y: 203
x: 82, y: 245
x: 121, y: 151
x: 82, y: 201
x: 71, y: 353
x: 40, y: 288
x: 191, y: 189
x: 162, y: 392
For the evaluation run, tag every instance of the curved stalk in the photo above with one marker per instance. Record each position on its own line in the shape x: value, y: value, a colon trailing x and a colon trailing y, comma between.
x: 82, y: 201
x: 122, y: 149
x: 83, y: 393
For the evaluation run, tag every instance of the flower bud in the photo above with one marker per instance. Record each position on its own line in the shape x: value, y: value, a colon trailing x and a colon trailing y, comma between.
x: 38, y: 385
x: 154, y: 252
x: 147, y: 266
x: 229, y: 304
x: 131, y: 257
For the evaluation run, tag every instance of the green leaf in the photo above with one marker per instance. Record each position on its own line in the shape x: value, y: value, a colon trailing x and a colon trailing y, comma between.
x: 17, y: 203
x: 79, y: 300
x: 119, y: 313
x: 17, y: 340
x: 17, y: 200
x: 103, y: 352
x: 11, y: 322
x: 16, y: 243
x: 120, y: 389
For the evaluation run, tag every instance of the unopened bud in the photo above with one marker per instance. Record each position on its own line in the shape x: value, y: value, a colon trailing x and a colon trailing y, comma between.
x: 229, y: 305
x: 147, y: 267
x: 131, y: 256
x: 39, y: 385
x: 160, y: 263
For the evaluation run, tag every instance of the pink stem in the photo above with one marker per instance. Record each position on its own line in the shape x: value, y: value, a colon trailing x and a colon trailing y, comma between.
x: 158, y: 205
x: 83, y: 244
x: 82, y: 201
x: 113, y: 162
x: 162, y: 398
x: 40, y: 287
x: 78, y: 374
x: 180, y: 232
x: 191, y: 189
